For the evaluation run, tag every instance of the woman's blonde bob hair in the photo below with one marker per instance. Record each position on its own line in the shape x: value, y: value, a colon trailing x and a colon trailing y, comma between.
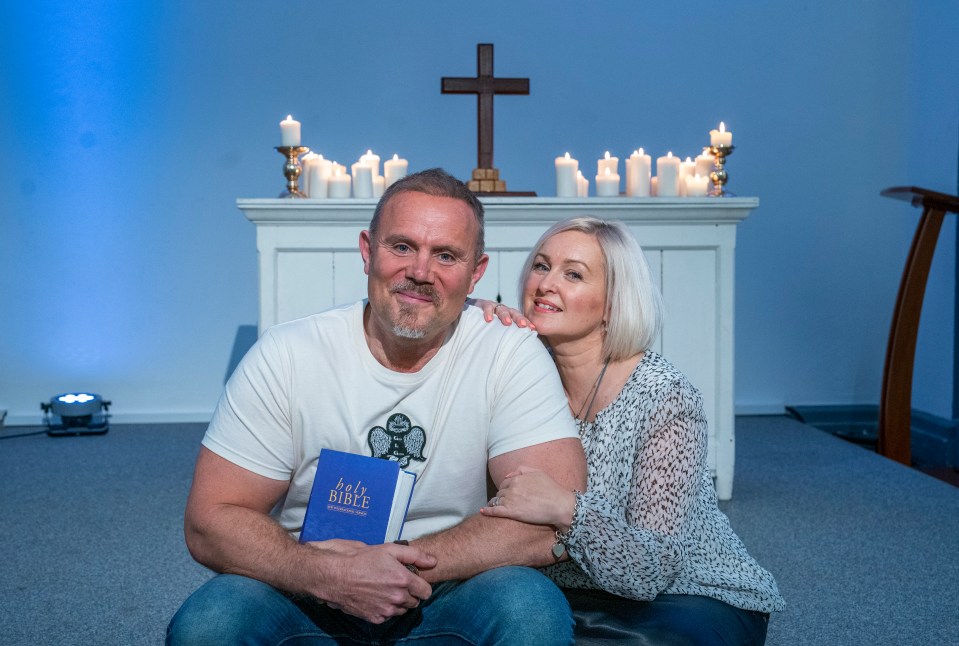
x: 634, y: 306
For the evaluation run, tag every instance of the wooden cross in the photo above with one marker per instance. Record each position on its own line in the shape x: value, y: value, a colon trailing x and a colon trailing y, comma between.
x: 484, y: 86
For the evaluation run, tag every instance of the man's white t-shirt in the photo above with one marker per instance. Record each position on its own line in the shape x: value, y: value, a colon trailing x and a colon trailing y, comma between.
x: 313, y: 383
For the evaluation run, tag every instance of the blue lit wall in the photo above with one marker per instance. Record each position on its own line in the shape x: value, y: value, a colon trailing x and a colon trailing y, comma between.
x: 129, y: 129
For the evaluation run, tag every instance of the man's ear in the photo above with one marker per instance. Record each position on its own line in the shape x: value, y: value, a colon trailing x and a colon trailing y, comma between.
x: 366, y: 250
x: 478, y: 272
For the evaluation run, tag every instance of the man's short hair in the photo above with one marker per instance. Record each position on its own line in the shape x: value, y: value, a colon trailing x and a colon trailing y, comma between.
x: 634, y: 305
x: 438, y: 183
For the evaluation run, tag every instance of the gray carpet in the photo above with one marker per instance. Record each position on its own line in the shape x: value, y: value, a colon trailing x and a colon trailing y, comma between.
x: 865, y: 551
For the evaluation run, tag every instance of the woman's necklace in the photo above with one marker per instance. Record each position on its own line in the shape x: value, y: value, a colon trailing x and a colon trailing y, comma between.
x: 591, y: 398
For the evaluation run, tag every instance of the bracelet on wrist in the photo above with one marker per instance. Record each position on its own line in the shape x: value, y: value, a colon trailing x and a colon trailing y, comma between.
x: 559, y: 547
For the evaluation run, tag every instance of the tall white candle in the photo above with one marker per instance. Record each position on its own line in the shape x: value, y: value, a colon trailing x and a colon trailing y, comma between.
x: 306, y: 161
x: 607, y: 184
x: 687, y: 167
x: 612, y: 163
x: 721, y: 137
x: 566, y: 170
x: 704, y: 163
x: 338, y: 185
x: 667, y: 172
x: 373, y: 160
x: 362, y: 180
x: 394, y: 169
x: 582, y: 185
x: 696, y: 185
x: 317, y: 176
x: 637, y: 174
x: 289, y: 132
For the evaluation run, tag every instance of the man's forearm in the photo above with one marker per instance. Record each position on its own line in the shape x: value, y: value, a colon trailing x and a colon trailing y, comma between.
x: 481, y: 543
x: 236, y: 540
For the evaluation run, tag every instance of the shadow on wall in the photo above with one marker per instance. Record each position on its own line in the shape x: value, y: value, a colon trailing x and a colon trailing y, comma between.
x: 246, y: 336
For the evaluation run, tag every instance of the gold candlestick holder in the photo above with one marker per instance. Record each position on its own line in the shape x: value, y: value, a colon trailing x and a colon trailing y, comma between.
x: 292, y: 169
x: 719, y: 176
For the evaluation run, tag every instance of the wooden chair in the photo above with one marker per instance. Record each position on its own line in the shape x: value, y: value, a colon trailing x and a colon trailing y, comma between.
x: 895, y: 404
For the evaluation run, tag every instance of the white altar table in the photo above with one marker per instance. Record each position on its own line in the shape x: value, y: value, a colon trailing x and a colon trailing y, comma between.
x: 309, y: 260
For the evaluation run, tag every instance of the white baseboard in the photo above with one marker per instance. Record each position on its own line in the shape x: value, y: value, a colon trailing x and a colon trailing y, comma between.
x: 154, y: 417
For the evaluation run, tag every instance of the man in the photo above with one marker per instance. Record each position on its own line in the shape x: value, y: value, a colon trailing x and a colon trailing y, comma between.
x: 486, y: 398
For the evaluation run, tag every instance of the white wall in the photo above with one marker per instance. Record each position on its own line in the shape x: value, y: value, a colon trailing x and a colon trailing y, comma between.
x: 129, y: 131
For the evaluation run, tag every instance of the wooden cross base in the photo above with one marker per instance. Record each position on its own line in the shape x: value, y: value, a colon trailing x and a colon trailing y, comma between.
x: 487, y: 182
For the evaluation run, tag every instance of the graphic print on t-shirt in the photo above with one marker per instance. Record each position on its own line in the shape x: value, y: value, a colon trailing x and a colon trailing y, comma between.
x: 399, y: 442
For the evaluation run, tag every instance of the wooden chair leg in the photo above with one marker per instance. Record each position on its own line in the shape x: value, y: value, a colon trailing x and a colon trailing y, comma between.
x: 895, y: 406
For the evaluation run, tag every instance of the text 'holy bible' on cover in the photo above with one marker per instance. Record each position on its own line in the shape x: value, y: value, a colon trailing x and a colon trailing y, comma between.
x: 357, y: 497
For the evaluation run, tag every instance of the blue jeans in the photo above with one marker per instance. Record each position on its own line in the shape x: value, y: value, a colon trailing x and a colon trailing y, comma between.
x: 674, y: 619
x: 508, y: 605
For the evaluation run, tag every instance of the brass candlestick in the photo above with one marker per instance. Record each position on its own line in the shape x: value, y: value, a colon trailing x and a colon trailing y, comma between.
x: 719, y: 176
x: 292, y: 169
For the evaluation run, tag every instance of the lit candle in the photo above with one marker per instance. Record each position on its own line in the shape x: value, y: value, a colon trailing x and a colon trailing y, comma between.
x: 338, y: 184
x: 607, y: 184
x: 654, y: 187
x: 394, y: 169
x: 362, y: 180
x: 373, y: 160
x: 688, y: 167
x: 582, y: 185
x: 612, y: 163
x: 637, y: 174
x: 289, y: 132
x: 704, y: 163
x: 721, y: 137
x: 317, y: 176
x: 667, y: 172
x: 696, y: 185
x: 566, y: 182
x: 378, y: 183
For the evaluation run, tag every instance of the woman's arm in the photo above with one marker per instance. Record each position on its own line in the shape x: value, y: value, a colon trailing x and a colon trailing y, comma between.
x: 633, y: 546
x: 630, y: 543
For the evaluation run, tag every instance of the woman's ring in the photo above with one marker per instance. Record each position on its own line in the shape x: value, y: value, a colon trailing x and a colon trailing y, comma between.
x: 494, y: 501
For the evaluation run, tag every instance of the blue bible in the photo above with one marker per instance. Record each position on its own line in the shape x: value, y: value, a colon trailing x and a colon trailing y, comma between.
x: 357, y: 497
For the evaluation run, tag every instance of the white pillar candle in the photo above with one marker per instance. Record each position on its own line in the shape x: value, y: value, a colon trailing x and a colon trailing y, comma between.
x: 289, y: 132
x: 721, y: 137
x: 566, y: 173
x: 394, y: 169
x: 317, y: 177
x: 637, y: 174
x: 582, y: 185
x: 687, y: 167
x: 704, y: 163
x: 338, y: 184
x: 362, y: 180
x: 607, y: 184
x: 696, y: 185
x: 306, y: 161
x: 338, y: 167
x: 612, y: 163
x: 378, y: 183
x: 654, y: 187
x: 373, y: 160
x: 667, y: 172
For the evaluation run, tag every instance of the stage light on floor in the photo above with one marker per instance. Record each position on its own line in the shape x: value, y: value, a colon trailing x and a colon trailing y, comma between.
x: 76, y: 414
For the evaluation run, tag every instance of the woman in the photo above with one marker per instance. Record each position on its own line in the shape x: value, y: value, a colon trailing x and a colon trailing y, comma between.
x: 652, y: 559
